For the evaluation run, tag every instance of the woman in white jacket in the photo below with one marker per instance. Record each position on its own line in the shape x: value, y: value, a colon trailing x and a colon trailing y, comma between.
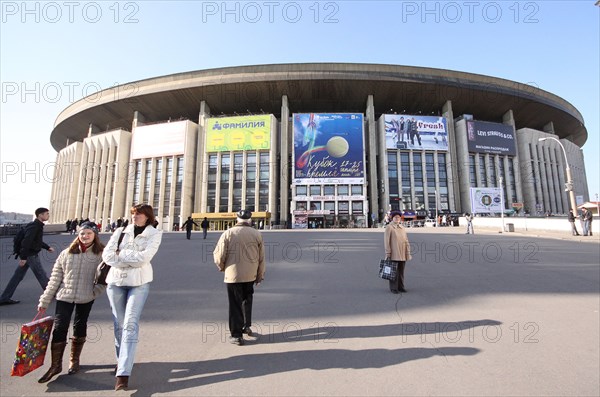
x: 72, y: 284
x: 129, y: 283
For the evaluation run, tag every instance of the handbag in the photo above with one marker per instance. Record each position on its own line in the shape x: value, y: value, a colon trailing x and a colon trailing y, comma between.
x: 388, y: 269
x: 103, y: 267
x: 32, y: 346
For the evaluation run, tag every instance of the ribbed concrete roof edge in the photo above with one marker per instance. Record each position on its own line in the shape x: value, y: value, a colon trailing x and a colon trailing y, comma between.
x: 303, y: 71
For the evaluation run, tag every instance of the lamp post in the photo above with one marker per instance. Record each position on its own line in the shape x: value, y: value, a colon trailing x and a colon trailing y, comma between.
x: 569, y: 184
x: 436, y: 208
x: 502, y: 202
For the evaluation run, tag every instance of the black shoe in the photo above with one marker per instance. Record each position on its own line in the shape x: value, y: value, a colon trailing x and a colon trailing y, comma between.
x: 247, y: 331
x: 236, y: 340
x: 8, y: 302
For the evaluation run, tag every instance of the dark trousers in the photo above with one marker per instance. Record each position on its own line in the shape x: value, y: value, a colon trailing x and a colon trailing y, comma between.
x: 34, y: 263
x: 398, y: 283
x: 240, y: 307
x: 62, y: 318
x: 188, y: 233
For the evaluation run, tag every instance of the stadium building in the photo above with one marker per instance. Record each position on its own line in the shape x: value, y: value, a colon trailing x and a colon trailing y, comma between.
x: 315, y: 146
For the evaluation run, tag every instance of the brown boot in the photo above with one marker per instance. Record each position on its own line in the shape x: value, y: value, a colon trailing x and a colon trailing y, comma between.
x: 56, y: 349
x: 122, y: 383
x: 76, y: 347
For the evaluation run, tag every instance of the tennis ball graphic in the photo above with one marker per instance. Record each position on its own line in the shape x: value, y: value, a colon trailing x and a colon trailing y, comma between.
x: 337, y: 147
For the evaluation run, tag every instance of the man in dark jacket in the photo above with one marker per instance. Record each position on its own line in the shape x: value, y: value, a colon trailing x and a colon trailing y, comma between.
x: 31, y: 245
x: 572, y: 218
x: 204, y: 225
x: 189, y: 224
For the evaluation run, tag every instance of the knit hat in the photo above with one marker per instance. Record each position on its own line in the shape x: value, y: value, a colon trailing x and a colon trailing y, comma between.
x: 89, y: 225
x: 394, y: 213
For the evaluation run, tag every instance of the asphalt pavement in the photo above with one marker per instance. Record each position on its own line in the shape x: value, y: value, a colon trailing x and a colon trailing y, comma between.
x: 494, y: 314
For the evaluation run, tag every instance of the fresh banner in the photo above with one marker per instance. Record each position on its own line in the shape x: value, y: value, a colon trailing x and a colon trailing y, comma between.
x: 328, y: 148
x: 486, y: 200
x: 494, y: 138
x: 407, y: 131
x: 225, y: 134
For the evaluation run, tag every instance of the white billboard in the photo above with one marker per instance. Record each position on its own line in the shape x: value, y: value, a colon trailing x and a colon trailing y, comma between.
x: 157, y: 140
x: 486, y: 200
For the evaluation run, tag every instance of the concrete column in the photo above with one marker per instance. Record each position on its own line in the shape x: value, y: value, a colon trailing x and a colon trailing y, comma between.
x: 549, y: 128
x: 286, y: 165
x: 189, y: 169
x: 274, y: 171
x: 92, y: 129
x: 202, y: 163
x: 371, y: 156
x: 458, y: 164
x: 383, y: 175
x: 138, y: 119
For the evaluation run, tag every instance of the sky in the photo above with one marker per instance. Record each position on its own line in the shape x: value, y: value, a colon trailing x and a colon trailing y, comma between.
x: 55, y: 53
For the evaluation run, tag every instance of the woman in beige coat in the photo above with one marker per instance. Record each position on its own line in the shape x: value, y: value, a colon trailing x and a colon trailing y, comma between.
x: 72, y: 284
x: 397, y: 248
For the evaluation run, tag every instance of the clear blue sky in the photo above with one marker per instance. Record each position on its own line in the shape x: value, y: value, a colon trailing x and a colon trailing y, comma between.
x: 54, y: 53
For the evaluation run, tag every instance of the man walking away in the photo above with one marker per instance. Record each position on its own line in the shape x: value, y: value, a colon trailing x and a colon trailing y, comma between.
x: 204, y: 226
x: 31, y: 245
x: 240, y: 255
x: 189, y: 224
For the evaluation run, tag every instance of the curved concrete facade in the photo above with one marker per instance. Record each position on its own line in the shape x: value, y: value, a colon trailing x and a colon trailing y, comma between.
x: 372, y: 90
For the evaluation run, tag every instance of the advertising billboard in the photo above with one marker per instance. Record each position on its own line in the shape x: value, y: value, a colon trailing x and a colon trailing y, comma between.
x: 157, y: 140
x: 405, y: 131
x: 486, y: 200
x: 225, y: 134
x: 328, y: 148
x: 494, y: 138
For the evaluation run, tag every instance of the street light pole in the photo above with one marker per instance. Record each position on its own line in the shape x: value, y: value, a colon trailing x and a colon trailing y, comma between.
x: 436, y: 208
x: 502, y: 202
x: 569, y: 184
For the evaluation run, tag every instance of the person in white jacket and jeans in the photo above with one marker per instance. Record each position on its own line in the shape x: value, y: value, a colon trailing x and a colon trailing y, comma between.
x: 128, y: 283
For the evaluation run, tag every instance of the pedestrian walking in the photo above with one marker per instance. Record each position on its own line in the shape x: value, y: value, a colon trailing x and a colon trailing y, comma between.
x: 128, y: 282
x: 31, y: 245
x: 239, y: 253
x: 397, y: 249
x: 72, y: 284
x: 189, y: 225
x: 571, y: 218
x: 469, y: 219
x: 204, y: 225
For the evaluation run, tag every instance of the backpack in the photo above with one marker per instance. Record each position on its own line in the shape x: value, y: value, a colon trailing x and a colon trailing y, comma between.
x: 17, y: 240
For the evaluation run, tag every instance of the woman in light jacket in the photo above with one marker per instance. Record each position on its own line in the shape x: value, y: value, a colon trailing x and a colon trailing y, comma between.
x: 129, y: 283
x: 72, y: 284
x: 397, y: 248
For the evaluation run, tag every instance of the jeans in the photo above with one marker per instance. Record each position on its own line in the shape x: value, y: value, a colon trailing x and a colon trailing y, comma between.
x: 188, y: 233
x: 64, y: 311
x: 126, y: 304
x: 204, y: 232
x: 36, y: 268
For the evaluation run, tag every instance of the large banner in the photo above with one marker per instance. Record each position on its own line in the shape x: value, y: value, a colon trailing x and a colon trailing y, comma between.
x: 486, y: 200
x: 157, y: 140
x: 494, y: 138
x: 225, y: 134
x: 328, y: 148
x: 407, y: 131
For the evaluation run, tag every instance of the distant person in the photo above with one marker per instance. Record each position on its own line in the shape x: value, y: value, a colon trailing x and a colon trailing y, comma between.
x: 572, y: 218
x: 240, y: 255
x: 189, y: 225
x: 469, y: 219
x: 204, y: 225
x: 31, y: 245
x: 587, y: 217
x: 397, y: 249
x: 72, y: 284
x: 128, y: 282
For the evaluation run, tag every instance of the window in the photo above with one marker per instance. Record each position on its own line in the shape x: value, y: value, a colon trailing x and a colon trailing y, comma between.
x: 329, y: 205
x: 212, y: 183
x: 315, y: 190
x: 251, y: 181
x: 224, y: 191
x: 329, y: 190
x: 301, y: 190
x: 357, y: 190
x: 342, y: 190
x: 238, y: 179
x: 263, y: 186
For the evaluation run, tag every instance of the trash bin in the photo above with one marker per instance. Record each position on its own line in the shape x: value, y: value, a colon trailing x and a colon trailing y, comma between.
x: 510, y: 227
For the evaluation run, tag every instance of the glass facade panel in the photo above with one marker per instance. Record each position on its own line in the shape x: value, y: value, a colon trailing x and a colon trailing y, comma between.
x: 238, y: 179
x: 406, y: 189
x: 224, y: 191
x: 417, y: 163
x: 263, y: 189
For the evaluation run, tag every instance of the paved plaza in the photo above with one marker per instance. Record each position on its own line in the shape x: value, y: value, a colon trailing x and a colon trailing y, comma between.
x: 496, y: 314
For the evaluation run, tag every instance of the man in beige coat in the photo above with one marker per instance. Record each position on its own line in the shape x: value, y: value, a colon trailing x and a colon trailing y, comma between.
x: 240, y: 254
